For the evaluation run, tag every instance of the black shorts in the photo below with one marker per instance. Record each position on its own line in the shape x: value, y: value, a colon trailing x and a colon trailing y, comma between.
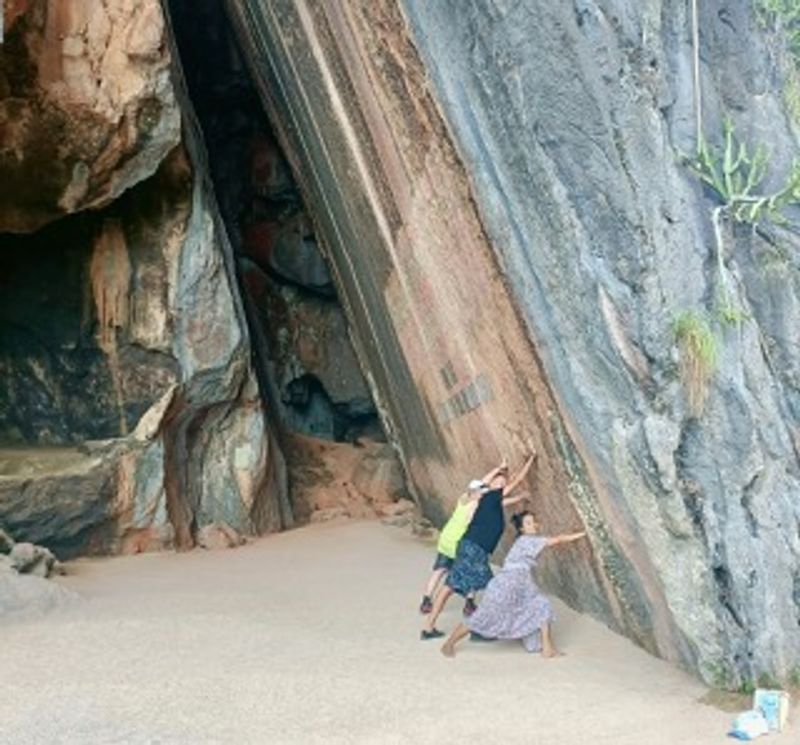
x: 442, y: 562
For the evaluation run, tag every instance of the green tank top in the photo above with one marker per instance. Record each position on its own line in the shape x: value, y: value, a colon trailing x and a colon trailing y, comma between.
x: 455, y: 527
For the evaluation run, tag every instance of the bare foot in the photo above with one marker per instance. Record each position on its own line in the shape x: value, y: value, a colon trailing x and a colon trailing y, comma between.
x: 552, y: 653
x: 448, y: 650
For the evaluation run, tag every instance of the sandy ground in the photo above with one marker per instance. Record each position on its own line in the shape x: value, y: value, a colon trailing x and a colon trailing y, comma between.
x: 312, y: 637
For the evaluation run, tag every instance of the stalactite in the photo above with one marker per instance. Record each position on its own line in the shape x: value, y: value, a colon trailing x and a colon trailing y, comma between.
x: 110, y: 275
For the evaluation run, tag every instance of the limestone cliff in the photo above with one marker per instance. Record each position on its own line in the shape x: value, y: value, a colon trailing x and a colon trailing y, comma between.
x: 550, y: 225
x: 87, y: 108
x: 121, y: 328
x: 526, y: 261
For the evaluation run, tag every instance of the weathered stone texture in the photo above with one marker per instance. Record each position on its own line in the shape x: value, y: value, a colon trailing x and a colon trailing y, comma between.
x: 123, y: 325
x: 87, y: 108
x: 322, y: 391
x: 571, y: 122
x: 333, y: 480
x: 498, y: 189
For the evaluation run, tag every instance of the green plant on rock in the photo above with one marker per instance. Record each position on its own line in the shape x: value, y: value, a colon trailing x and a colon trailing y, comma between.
x: 791, y: 92
x: 734, y: 171
x: 728, y: 313
x: 718, y: 674
x: 698, y: 349
x: 782, y: 15
x: 766, y: 680
x: 747, y: 687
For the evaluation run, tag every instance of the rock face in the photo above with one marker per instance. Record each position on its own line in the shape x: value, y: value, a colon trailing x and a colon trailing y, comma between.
x: 121, y: 325
x: 305, y: 359
x: 498, y: 190
x: 87, y: 108
x: 332, y: 480
x: 217, y: 536
x: 322, y: 391
x: 302, y: 349
x: 521, y: 255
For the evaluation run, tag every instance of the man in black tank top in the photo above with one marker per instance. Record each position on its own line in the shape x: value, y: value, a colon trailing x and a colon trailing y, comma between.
x: 486, y: 527
x: 470, y: 571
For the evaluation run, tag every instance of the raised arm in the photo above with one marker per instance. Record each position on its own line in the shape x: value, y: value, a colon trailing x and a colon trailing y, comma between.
x: 566, y: 538
x: 521, y: 497
x: 495, y: 471
x: 517, y: 478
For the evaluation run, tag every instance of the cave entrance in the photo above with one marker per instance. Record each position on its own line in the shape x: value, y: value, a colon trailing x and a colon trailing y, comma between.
x: 88, y: 344
x: 69, y: 374
x: 297, y: 324
x: 85, y: 351
x: 307, y: 368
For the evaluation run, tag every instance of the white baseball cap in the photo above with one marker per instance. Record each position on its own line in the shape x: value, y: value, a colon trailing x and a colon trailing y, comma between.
x: 476, y: 484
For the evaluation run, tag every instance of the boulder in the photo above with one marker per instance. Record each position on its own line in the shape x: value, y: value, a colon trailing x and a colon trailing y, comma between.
x: 379, y: 475
x: 295, y: 256
x: 336, y: 479
x: 329, y: 514
x: 398, y: 521
x: 87, y: 107
x: 218, y: 536
x: 423, y: 528
x: 61, y: 498
x: 403, y: 507
x: 270, y: 176
x: 25, y: 596
x: 30, y: 559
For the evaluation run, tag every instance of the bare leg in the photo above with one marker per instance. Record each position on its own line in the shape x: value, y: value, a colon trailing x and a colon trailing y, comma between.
x: 469, y: 605
x: 438, y: 606
x: 433, y: 582
x: 548, y: 648
x: 449, y: 647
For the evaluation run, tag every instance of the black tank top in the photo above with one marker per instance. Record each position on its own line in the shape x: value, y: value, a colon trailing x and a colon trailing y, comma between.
x: 488, y: 521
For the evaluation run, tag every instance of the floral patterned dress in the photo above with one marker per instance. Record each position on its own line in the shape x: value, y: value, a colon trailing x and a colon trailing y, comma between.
x: 513, y: 607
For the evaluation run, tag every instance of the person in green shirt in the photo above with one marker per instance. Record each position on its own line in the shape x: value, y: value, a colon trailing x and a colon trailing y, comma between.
x: 451, y: 534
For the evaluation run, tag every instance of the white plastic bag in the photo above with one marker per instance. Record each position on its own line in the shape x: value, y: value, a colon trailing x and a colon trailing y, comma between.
x: 748, y: 725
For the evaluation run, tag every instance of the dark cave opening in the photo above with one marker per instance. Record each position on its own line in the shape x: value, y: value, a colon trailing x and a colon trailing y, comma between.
x: 298, y: 329
x: 84, y: 347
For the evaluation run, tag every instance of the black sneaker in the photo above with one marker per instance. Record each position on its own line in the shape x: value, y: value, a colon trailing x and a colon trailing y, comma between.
x: 424, y: 635
x: 469, y: 607
x: 426, y: 606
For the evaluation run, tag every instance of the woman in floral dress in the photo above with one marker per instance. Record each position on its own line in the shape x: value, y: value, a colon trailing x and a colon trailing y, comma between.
x: 513, y: 607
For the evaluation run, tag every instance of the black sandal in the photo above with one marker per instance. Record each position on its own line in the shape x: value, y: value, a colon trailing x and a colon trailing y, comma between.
x: 424, y: 635
x: 474, y: 636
